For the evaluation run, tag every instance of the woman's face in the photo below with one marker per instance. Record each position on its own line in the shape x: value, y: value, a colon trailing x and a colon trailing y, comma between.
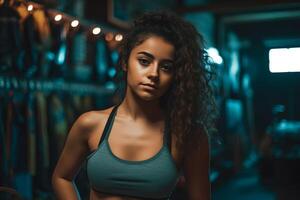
x: 150, y: 68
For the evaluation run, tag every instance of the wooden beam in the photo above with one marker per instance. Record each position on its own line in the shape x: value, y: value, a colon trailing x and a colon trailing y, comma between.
x: 241, y: 6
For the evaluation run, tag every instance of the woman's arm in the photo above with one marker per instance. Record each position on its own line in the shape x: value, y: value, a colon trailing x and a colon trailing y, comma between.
x: 75, y: 151
x: 196, y: 168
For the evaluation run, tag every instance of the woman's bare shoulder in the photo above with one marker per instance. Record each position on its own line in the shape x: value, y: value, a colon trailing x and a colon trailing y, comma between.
x: 94, y: 117
x: 91, y: 120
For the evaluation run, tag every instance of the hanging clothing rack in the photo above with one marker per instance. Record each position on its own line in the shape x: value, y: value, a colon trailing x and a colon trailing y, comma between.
x: 14, y: 83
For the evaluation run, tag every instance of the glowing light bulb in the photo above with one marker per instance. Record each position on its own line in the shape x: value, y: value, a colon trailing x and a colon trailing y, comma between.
x: 58, y: 17
x: 214, y: 54
x: 119, y: 37
x: 74, y: 23
x: 30, y: 7
x: 96, y: 30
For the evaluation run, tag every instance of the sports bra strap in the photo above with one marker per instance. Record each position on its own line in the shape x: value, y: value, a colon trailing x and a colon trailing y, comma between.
x: 108, y: 124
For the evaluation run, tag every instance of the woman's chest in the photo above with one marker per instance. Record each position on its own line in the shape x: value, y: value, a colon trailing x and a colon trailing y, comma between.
x: 134, y: 141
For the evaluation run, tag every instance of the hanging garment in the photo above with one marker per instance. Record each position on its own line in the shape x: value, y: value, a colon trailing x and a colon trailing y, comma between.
x: 87, y: 103
x: 31, y: 133
x: 82, y: 71
x: 19, y: 136
x: 42, y: 178
x: 70, y: 113
x: 59, y: 50
x: 42, y: 132
x: 3, y: 148
x: 10, y: 41
x: 30, y: 46
x: 75, y: 100
x: 8, y: 138
x: 57, y: 119
x: 111, y: 71
x: 42, y: 27
x: 44, y: 42
x: 101, y: 62
x: 36, y: 40
x: 15, y: 138
x: 42, y: 38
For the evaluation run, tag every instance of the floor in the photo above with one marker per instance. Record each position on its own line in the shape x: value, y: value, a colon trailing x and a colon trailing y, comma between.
x: 243, y: 186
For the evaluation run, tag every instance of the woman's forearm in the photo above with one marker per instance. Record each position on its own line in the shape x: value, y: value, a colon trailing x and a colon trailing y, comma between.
x: 65, y: 189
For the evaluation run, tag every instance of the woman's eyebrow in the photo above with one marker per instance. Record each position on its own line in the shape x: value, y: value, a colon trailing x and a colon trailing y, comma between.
x: 152, y: 57
x: 147, y: 54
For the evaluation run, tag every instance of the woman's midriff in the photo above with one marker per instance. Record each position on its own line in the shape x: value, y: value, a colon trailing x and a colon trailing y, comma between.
x: 101, y: 196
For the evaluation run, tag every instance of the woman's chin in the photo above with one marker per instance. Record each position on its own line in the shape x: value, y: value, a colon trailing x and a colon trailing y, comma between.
x: 148, y: 97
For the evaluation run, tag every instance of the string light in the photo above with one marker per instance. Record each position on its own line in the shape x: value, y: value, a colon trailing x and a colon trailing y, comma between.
x: 30, y: 7
x: 119, y: 37
x: 109, y: 37
x: 96, y: 30
x: 74, y: 23
x: 58, y: 17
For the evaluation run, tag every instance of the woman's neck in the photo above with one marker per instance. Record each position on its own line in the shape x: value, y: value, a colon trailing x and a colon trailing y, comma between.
x: 136, y: 109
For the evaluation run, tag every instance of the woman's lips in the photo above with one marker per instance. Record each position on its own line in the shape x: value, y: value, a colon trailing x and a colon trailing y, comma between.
x: 150, y: 86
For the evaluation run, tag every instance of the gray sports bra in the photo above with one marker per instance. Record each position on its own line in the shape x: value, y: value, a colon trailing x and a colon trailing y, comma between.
x: 153, y: 178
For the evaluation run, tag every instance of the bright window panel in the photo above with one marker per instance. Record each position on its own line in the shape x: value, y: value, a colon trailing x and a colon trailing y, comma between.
x: 284, y: 60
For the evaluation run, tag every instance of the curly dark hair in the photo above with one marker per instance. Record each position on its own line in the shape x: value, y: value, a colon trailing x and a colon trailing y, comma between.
x: 189, y: 102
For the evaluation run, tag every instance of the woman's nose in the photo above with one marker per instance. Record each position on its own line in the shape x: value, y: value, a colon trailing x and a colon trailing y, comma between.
x: 153, y: 72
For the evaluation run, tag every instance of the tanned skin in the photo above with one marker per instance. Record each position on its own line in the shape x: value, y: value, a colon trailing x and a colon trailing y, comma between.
x: 137, y: 132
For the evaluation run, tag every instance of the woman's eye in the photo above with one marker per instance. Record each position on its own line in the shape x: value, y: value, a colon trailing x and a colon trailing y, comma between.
x: 144, y: 61
x: 166, y: 67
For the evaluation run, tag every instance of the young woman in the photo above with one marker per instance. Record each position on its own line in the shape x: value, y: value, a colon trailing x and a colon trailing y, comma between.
x: 138, y: 148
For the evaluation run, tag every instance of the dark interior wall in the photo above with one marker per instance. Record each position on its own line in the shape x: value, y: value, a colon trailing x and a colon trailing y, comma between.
x: 96, y: 10
x: 285, y: 89
x: 269, y: 89
x: 254, y: 32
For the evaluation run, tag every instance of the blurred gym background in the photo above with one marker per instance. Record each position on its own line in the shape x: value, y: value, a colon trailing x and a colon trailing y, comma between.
x: 58, y: 59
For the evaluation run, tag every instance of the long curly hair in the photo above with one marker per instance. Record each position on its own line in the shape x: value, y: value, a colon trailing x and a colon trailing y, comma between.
x: 189, y: 102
